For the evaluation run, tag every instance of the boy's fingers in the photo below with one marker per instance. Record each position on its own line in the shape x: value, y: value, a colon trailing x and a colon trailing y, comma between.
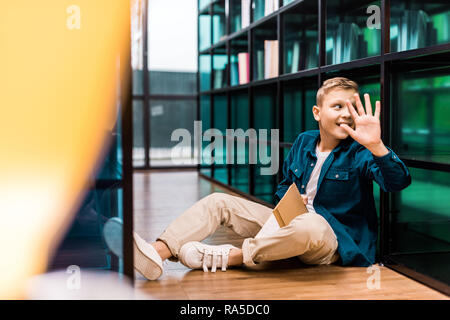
x: 368, y: 104
x: 377, y: 109
x: 359, y: 105
x: 351, y: 108
x: 349, y: 130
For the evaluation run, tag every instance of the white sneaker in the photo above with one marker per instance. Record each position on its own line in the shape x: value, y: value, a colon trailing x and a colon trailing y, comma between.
x: 196, y: 255
x: 146, y: 259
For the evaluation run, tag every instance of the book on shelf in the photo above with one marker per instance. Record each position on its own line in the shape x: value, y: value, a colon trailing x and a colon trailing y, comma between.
x: 244, y: 67
x: 295, y: 57
x: 270, y: 58
x: 290, y: 206
x: 259, y: 64
x: 245, y: 13
x: 270, y: 6
x: 234, y: 73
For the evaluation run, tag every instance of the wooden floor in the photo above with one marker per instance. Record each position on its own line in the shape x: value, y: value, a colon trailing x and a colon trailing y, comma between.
x: 159, y: 197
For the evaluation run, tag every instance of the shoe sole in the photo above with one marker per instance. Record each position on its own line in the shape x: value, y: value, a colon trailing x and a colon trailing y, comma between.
x: 112, y: 233
x: 143, y: 262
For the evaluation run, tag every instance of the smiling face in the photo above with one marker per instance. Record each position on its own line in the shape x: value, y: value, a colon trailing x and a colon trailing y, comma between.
x: 333, y: 111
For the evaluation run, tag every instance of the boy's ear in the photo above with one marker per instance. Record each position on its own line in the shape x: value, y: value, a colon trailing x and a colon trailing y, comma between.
x: 316, y: 112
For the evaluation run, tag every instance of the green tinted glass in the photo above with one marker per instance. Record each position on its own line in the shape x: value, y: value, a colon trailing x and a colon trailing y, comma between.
x: 299, y: 98
x: 352, y: 33
x: 138, y: 133
x: 220, y: 123
x: 423, y: 113
x: 218, y: 21
x: 240, y: 120
x: 203, y: 3
x: 265, y: 51
x: 418, y: 24
x: 421, y: 221
x: 264, y: 118
x: 204, y: 37
x: 205, y: 117
x: 238, y: 46
x: 236, y: 16
x: 220, y: 62
x: 205, y: 72
x: 301, y: 45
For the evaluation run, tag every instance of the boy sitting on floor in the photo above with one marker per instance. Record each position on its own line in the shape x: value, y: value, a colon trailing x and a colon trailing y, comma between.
x: 333, y: 168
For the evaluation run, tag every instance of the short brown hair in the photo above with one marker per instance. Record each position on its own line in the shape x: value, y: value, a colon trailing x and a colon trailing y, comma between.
x: 337, y: 82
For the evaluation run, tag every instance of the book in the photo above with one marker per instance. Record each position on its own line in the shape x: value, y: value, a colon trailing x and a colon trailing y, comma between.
x: 245, y: 13
x: 244, y: 68
x: 290, y: 206
x: 270, y: 58
x: 259, y: 64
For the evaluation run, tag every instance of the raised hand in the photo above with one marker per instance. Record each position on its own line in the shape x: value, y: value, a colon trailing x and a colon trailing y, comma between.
x: 367, y: 126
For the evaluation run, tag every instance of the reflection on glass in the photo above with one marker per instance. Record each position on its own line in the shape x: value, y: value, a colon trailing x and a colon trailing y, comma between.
x: 138, y: 134
x: 417, y: 24
x: 173, y: 82
x: 203, y: 3
x: 240, y: 120
x: 258, y: 7
x: 165, y: 117
x: 420, y: 239
x: 220, y: 123
x: 218, y: 21
x: 263, y: 8
x: 236, y: 16
x: 301, y: 37
x: 137, y: 46
x: 265, y: 51
x: 264, y: 118
x: 204, y: 37
x: 205, y: 72
x: 423, y: 130
x: 238, y: 68
x: 299, y: 98
x: 205, y: 117
x: 220, y: 74
x: 350, y: 33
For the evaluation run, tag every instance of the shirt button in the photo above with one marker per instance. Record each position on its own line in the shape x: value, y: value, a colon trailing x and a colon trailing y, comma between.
x: 312, y: 164
x: 303, y: 186
x: 295, y: 170
x: 337, y: 176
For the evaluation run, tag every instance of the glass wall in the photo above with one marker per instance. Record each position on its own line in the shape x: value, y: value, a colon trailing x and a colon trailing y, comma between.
x: 240, y: 120
x: 301, y: 48
x: 299, y: 99
x: 167, y: 101
x: 413, y: 88
x: 205, y: 116
x: 264, y: 118
x: 423, y: 113
x: 166, y: 116
x: 350, y: 35
x: 418, y: 24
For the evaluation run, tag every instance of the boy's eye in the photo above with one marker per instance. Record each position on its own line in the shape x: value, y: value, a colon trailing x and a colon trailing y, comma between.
x: 338, y: 106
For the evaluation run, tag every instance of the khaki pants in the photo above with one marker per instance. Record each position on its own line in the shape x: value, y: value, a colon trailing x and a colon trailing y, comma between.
x: 308, y: 236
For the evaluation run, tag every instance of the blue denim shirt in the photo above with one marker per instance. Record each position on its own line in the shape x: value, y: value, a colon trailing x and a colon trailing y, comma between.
x: 345, y: 190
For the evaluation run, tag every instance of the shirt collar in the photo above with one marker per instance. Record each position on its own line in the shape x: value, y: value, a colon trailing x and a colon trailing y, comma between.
x: 311, y: 146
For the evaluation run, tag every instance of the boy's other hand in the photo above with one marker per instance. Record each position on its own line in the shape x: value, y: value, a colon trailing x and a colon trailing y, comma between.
x: 305, y: 199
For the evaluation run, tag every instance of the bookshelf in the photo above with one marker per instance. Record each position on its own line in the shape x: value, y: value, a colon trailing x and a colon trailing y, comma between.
x: 402, y: 59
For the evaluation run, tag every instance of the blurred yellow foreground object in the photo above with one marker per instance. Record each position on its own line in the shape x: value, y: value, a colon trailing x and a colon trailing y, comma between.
x: 59, y: 79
